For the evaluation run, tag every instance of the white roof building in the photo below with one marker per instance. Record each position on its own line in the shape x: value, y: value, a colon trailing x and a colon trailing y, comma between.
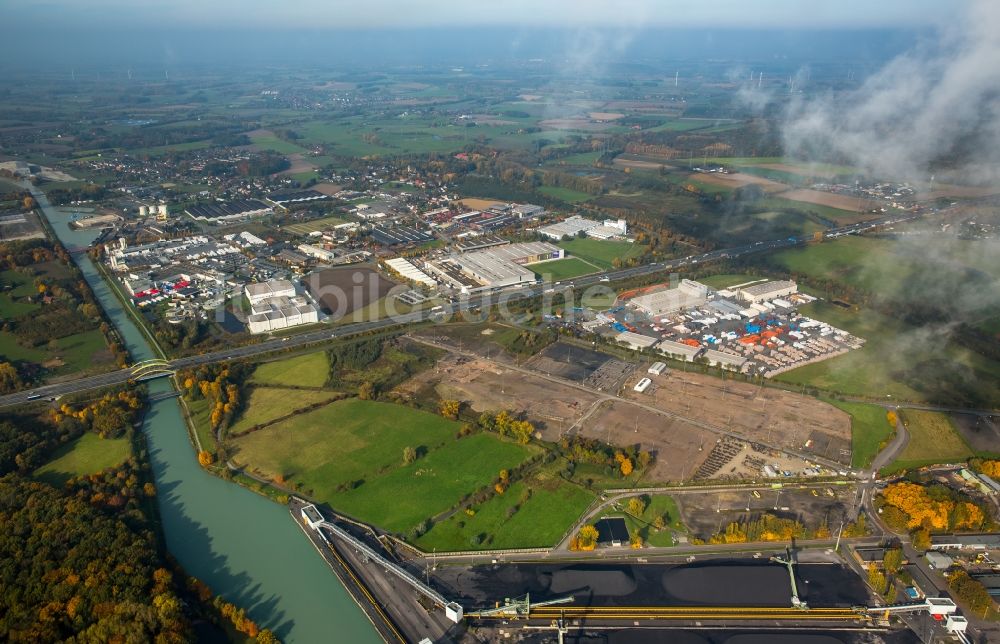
x: 635, y: 341
x: 409, y: 271
x: 687, y: 295
x: 259, y: 291
x: 758, y: 293
x: 679, y: 350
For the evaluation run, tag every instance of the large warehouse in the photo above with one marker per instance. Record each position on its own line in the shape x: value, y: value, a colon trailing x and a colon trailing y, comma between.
x: 767, y: 291
x: 495, y: 267
x: 671, y: 300
x: 226, y: 211
x: 259, y: 291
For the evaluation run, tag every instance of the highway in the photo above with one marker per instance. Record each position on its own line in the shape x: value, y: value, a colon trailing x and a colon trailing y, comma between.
x: 474, y: 303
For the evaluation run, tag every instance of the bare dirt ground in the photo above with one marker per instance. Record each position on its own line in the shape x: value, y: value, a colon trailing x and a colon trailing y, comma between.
x: 489, y: 386
x: 738, y: 180
x: 843, y: 202
x: 757, y: 414
x: 478, y: 204
x: 327, y: 188
x: 679, y: 447
x: 698, y: 510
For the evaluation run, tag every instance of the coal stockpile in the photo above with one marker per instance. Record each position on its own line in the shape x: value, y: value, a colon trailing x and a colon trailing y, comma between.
x: 711, y: 583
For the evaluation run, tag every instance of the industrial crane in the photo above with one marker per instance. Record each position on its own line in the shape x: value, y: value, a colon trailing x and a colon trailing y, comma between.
x: 789, y: 562
x: 519, y: 607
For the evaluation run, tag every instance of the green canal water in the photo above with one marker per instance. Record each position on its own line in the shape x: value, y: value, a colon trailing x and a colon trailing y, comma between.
x: 245, y: 547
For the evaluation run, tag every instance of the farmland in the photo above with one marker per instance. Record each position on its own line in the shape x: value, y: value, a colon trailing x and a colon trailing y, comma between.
x: 266, y: 404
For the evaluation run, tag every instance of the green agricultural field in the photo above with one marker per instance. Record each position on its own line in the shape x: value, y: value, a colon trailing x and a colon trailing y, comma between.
x: 870, y: 430
x: 403, y: 497
x: 274, y: 144
x: 565, y: 194
x: 561, y: 269
x: 308, y: 370
x: 266, y: 404
x: 343, y: 442
x: 88, y: 454
x: 685, y: 125
x: 544, y: 508
x: 933, y: 439
x: 601, y: 252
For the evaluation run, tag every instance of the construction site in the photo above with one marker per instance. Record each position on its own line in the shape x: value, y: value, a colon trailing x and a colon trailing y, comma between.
x: 697, y: 426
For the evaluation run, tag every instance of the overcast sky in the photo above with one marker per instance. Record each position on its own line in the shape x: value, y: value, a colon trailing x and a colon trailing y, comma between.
x: 327, y: 14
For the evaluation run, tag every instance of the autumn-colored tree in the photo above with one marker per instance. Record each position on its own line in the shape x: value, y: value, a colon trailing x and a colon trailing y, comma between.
x: 265, y: 636
x: 505, y: 477
x: 587, y: 537
x: 892, y: 560
x: 892, y: 418
x: 499, y: 488
x: 409, y: 455
x: 636, y: 505
x: 659, y: 522
x: 450, y: 408
x: 921, y: 539
x: 877, y: 580
x: 205, y: 458
x: 366, y: 391
x: 636, y: 541
x: 28, y: 202
x: 626, y: 466
x: 10, y: 380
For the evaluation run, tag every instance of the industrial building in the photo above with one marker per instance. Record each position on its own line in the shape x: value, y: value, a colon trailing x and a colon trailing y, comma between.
x: 642, y: 385
x: 322, y: 254
x: 572, y: 226
x: 409, y: 271
x: 989, y: 541
x: 679, y: 350
x: 657, y: 368
x: 399, y: 235
x: 228, y: 210
x: 635, y: 341
x: 724, y: 360
x: 688, y: 294
x: 767, y: 291
x: 296, y: 197
x: 281, y: 312
x: 260, y: 291
x: 495, y: 267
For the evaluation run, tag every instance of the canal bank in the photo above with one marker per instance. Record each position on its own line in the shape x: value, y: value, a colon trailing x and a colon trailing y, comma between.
x: 240, y: 544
